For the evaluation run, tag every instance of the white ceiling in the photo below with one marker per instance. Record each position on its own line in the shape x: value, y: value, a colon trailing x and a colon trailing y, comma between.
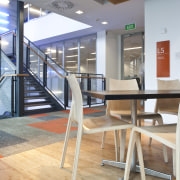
x: 118, y: 16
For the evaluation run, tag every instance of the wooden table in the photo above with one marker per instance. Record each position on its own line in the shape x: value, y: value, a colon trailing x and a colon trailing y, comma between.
x: 134, y: 95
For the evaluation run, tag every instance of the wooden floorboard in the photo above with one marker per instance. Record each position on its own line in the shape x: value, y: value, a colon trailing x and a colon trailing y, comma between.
x: 43, y: 163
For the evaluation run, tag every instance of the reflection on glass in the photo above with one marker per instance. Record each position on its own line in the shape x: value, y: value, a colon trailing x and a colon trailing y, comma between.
x: 67, y: 53
x: 71, y: 55
x: 88, y: 54
x: 133, y: 57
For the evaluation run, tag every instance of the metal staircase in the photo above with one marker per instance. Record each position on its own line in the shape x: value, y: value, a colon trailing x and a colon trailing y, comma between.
x: 36, y: 98
x: 45, y: 88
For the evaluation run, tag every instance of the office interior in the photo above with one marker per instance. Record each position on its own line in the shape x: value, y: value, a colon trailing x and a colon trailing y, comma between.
x: 92, y: 42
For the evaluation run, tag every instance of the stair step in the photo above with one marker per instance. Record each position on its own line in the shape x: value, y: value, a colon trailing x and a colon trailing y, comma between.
x: 35, y: 97
x: 38, y: 111
x: 33, y: 91
x: 38, y: 104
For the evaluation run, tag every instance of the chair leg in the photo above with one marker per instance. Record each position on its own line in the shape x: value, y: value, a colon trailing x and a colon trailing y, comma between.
x: 76, y: 158
x: 150, y: 139
x: 174, y: 161
x: 140, y: 156
x: 122, y: 144
x: 116, y: 139
x: 103, y: 139
x: 65, y: 143
x: 165, y: 153
x: 177, y: 162
x: 132, y: 140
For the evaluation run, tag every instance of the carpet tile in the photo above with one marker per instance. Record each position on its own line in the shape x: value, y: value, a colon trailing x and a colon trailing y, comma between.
x: 49, y: 117
x: 85, y: 111
x: 7, y: 139
x: 38, y: 115
x: 19, y: 134
x: 57, y: 126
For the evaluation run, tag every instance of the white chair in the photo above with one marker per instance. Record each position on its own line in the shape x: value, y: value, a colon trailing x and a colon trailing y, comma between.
x: 88, y: 126
x: 168, y: 105
x: 122, y: 110
x: 168, y: 134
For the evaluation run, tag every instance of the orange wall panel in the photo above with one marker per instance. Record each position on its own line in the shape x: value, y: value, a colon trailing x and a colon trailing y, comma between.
x: 163, y: 58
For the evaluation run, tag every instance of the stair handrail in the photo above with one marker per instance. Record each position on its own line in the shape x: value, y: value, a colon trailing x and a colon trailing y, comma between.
x: 44, y: 60
x: 37, y: 53
x: 62, y: 76
x: 9, y: 32
x: 12, y: 75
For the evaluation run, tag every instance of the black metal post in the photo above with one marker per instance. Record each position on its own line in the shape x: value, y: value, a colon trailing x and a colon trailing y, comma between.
x: 89, y: 89
x: 65, y: 93
x: 19, y: 58
x: 28, y: 57
x: 13, y: 100
x: 14, y: 45
x: 0, y: 61
x: 45, y: 73
x: 104, y: 88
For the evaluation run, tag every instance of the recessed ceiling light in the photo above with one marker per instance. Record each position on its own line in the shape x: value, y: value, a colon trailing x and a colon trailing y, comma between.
x: 72, y: 56
x: 127, y: 49
x: 104, y: 22
x: 79, y: 12
x: 74, y: 48
x: 92, y: 59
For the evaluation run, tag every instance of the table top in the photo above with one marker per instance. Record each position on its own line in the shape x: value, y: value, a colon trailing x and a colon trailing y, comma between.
x: 133, y: 94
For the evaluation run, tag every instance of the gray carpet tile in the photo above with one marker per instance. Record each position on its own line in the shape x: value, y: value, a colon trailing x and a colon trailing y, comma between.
x: 7, y: 139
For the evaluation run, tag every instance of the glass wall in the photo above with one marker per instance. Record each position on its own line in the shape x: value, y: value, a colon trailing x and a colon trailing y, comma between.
x: 88, y: 55
x: 75, y: 55
x: 71, y: 49
x: 133, y: 57
x: 31, y: 12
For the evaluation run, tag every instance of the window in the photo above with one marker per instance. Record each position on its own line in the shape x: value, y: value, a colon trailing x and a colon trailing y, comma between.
x: 88, y: 54
x: 75, y: 55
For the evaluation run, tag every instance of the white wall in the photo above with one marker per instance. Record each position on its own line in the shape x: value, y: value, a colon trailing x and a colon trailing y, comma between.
x: 109, y: 55
x: 161, y: 16
x: 51, y: 25
x: 101, y: 53
x: 112, y: 55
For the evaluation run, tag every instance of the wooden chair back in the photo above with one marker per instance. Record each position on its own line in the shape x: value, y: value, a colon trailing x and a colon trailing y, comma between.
x: 122, y: 105
x: 168, y: 105
x: 76, y: 112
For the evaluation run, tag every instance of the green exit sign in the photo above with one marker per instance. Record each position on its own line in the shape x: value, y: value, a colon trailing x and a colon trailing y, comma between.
x: 130, y: 26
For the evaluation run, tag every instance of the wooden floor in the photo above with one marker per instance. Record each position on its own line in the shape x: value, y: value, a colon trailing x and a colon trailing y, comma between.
x: 43, y: 163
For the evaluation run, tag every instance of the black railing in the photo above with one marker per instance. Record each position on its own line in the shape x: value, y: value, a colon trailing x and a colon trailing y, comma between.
x: 52, y: 76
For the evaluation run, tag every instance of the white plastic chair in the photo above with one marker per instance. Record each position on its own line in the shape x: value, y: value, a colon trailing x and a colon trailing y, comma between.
x: 168, y: 134
x: 122, y: 110
x: 88, y: 126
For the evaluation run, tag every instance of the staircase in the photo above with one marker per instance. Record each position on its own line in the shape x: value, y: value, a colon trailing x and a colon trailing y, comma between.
x: 37, y: 99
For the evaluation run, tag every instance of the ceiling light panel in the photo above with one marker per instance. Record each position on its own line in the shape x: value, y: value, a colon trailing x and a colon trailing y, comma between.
x: 4, y: 29
x: 79, y: 12
x: 4, y: 14
x: 70, y: 49
x: 104, y: 22
x: 5, y: 2
x: 127, y: 49
x: 4, y: 21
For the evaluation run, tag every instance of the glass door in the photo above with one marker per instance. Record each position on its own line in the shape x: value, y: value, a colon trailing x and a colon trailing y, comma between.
x: 133, y: 57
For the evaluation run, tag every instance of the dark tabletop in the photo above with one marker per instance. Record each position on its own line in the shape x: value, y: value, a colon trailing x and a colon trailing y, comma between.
x: 133, y: 94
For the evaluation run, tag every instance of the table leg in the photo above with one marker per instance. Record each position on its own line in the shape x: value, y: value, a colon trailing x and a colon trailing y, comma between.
x: 134, y: 167
x: 134, y: 121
